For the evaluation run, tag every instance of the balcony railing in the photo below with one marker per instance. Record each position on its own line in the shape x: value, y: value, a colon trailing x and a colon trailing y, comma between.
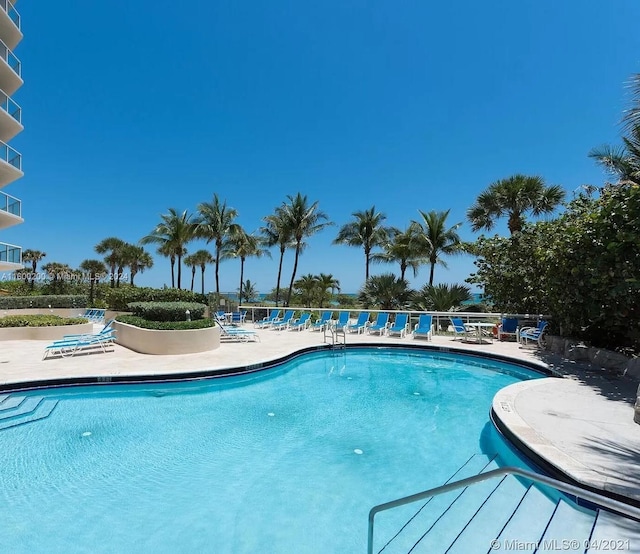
x: 11, y: 156
x: 10, y: 253
x: 11, y: 12
x: 11, y: 59
x: 10, y: 204
x: 10, y: 106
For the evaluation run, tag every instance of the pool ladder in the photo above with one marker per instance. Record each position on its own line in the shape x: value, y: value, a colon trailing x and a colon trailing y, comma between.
x: 332, y: 335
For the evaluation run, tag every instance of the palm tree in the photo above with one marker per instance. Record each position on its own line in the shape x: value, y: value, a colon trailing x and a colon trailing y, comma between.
x: 58, y: 273
x: 137, y: 259
x: 172, y: 234
x: 96, y: 269
x: 111, y: 246
x: 249, y: 291
x: 434, y: 240
x: 366, y: 231
x: 277, y: 233
x: 401, y: 247
x: 386, y: 292
x: 243, y: 245
x: 304, y: 220
x: 215, y: 224
x: 307, y: 287
x: 326, y: 282
x: 441, y: 298
x: 513, y: 197
x: 622, y: 162
x: 33, y: 257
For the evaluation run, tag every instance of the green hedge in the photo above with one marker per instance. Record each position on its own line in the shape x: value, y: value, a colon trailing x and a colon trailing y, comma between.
x: 40, y: 320
x: 119, y: 298
x: 167, y: 311
x: 165, y: 325
x: 52, y: 300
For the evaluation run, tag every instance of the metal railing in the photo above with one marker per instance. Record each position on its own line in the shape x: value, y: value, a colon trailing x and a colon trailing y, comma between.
x: 10, y: 204
x: 11, y: 12
x: 577, y: 492
x: 9, y: 106
x: 11, y: 156
x: 8, y: 56
x: 10, y: 253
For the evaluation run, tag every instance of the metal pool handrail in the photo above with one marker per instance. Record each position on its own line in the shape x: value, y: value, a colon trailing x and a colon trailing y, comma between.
x: 614, y: 505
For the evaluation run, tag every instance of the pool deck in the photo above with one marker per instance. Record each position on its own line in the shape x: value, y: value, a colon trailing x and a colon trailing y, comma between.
x: 581, y: 424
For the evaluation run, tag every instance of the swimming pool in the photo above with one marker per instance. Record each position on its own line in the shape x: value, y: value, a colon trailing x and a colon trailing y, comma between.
x: 290, y: 459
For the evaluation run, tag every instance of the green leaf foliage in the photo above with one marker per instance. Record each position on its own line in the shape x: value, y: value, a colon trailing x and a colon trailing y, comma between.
x: 119, y: 298
x: 40, y: 320
x: 582, y: 268
x: 46, y: 301
x: 165, y: 325
x: 167, y: 311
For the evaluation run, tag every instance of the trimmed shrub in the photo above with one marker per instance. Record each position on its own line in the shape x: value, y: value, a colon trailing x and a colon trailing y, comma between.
x: 167, y: 311
x: 119, y: 298
x: 165, y: 325
x: 53, y: 300
x: 40, y: 320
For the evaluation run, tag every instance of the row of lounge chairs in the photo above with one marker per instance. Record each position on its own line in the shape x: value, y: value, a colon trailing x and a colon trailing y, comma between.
x: 381, y: 326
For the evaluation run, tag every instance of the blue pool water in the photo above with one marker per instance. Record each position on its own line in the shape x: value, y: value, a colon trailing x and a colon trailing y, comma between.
x: 289, y: 460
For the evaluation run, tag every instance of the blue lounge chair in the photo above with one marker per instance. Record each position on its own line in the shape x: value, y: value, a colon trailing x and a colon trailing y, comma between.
x: 301, y: 323
x: 280, y: 324
x: 459, y: 328
x: 221, y: 315
x: 95, y: 315
x: 508, y: 328
x: 533, y: 334
x: 380, y: 325
x: 399, y: 326
x: 322, y: 322
x: 237, y: 318
x: 343, y: 321
x: 360, y: 325
x: 71, y: 346
x: 235, y: 334
x: 424, y: 327
x: 267, y: 321
x: 105, y: 330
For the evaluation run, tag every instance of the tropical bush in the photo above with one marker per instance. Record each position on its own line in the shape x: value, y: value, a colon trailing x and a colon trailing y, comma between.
x: 119, y: 298
x: 582, y: 268
x: 386, y: 292
x: 39, y: 320
x: 50, y: 301
x: 441, y: 298
x: 165, y: 325
x: 167, y: 311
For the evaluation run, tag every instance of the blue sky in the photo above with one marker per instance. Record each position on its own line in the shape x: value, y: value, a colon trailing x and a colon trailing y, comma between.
x: 130, y: 110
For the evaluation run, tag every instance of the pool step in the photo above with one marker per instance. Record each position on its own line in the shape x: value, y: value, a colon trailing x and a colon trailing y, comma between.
x: 421, y: 516
x: 518, y: 516
x: 24, y: 409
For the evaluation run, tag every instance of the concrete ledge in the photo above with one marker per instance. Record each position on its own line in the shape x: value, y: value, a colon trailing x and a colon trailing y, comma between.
x: 44, y: 333
x: 151, y: 341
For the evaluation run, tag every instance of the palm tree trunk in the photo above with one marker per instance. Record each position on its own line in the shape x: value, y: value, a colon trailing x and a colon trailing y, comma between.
x: 241, y: 277
x: 113, y: 276
x: 133, y: 274
x: 433, y: 267
x: 193, y: 276
x: 179, y: 270
x: 217, y: 272
x: 403, y: 269
x: 173, y: 278
x: 293, y: 275
x: 279, y: 275
x: 91, y: 285
x: 367, y: 254
x: 202, y: 277
x: 120, y: 268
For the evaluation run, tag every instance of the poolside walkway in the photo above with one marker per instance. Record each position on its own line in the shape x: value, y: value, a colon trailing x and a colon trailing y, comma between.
x: 582, y: 424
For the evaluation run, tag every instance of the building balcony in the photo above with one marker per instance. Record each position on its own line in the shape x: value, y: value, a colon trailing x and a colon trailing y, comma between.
x: 10, y: 118
x: 10, y: 31
x: 10, y: 211
x: 10, y: 70
x: 10, y: 165
x: 10, y: 257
